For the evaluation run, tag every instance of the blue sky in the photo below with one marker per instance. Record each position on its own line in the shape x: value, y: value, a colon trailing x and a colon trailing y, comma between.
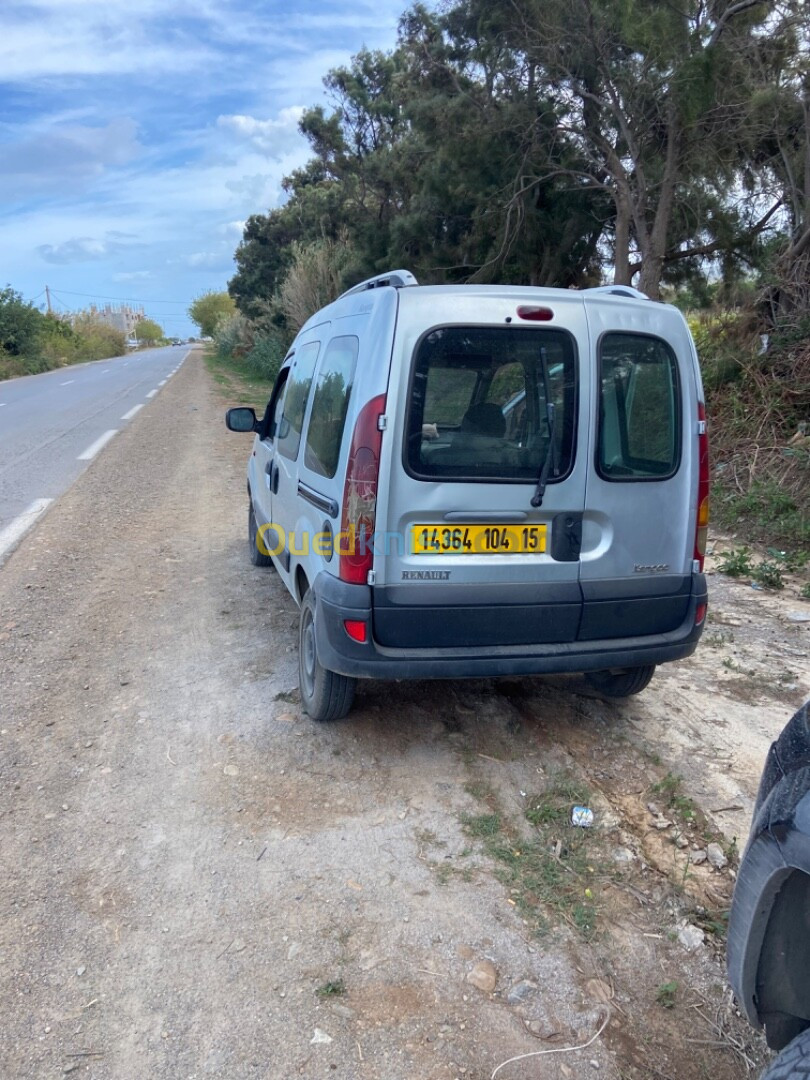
x: 136, y: 137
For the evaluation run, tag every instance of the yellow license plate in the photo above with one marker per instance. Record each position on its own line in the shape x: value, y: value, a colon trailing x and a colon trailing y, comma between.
x: 478, y: 539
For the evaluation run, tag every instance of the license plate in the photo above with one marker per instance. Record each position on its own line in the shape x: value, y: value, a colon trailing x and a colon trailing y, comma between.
x: 478, y: 539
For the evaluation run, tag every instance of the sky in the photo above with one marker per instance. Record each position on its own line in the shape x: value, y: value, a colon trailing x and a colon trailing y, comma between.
x: 136, y: 137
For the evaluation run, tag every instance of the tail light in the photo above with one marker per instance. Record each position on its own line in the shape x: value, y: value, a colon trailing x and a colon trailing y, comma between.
x: 702, y: 524
x: 356, y: 539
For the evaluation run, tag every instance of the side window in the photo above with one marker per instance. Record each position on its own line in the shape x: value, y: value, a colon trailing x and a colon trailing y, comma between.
x: 272, y: 414
x: 639, y: 411
x: 330, y: 405
x: 295, y: 400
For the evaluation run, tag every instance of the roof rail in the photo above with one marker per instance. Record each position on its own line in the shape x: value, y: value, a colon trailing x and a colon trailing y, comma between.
x: 398, y: 279
x: 618, y: 290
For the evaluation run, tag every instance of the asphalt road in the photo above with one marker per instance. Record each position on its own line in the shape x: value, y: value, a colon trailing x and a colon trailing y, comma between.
x: 52, y: 425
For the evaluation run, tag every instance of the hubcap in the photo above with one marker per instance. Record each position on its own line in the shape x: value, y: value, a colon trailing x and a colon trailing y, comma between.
x: 308, y: 655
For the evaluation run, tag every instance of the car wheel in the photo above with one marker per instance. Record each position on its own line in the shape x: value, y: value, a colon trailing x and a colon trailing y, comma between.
x: 621, y: 683
x: 257, y: 557
x: 325, y: 695
x: 793, y: 1062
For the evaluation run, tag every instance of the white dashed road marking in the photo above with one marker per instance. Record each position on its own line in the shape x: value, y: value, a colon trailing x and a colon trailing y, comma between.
x: 132, y: 411
x: 15, y: 531
x: 67, y: 383
x: 151, y: 393
x: 99, y: 444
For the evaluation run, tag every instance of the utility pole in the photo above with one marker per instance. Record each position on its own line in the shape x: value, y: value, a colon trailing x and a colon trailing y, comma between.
x: 48, y: 298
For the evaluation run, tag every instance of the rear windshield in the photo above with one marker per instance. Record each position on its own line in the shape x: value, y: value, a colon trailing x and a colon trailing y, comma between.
x: 479, y: 404
x: 639, y: 413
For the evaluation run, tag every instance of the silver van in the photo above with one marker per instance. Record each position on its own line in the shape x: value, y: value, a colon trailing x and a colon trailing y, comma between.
x: 461, y: 481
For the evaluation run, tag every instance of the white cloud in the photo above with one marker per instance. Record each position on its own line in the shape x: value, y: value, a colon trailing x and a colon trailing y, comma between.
x: 208, y: 260
x: 231, y: 229
x: 64, y: 159
x: 81, y: 249
x: 135, y: 275
x: 271, y: 137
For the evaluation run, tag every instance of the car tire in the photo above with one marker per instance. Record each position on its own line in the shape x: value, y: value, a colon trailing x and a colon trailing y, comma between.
x: 257, y: 557
x: 793, y: 1062
x: 621, y: 684
x: 325, y: 695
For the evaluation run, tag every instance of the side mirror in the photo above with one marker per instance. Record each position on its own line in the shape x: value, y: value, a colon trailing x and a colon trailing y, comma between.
x: 241, y: 419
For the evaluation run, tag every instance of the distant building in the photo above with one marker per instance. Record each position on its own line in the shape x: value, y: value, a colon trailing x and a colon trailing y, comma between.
x: 120, y: 316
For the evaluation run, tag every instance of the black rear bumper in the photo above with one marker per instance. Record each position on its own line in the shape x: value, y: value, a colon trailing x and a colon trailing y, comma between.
x: 337, y: 601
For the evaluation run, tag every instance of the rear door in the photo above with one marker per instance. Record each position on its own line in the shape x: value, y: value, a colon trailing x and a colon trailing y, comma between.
x: 462, y: 557
x: 638, y: 529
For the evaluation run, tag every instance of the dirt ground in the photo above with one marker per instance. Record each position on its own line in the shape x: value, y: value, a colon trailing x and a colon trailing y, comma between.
x: 200, y: 882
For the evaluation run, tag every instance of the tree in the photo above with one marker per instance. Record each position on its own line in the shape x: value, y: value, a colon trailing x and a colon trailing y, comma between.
x: 146, y: 330
x: 20, y: 324
x: 549, y: 142
x: 416, y: 165
x: 208, y: 309
x: 656, y: 97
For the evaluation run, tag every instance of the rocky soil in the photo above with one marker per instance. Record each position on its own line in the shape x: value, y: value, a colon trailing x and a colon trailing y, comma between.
x: 199, y: 881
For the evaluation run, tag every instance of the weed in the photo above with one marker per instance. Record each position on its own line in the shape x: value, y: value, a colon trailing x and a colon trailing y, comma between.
x: 292, y: 697
x: 236, y: 381
x: 804, y: 592
x: 714, y: 922
x: 665, y: 995
x: 766, y: 509
x: 793, y: 561
x: 444, y: 871
x: 333, y: 988
x: 482, y: 826
x: 554, y: 805
x: 768, y: 574
x: 669, y: 788
x: 482, y: 792
x: 557, y: 869
x: 715, y: 639
x: 736, y: 563
x: 428, y: 838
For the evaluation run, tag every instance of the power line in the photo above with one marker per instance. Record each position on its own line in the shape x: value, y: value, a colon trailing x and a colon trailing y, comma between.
x: 122, y: 299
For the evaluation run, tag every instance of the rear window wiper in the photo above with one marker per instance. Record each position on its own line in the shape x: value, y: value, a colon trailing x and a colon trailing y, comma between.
x: 550, y: 460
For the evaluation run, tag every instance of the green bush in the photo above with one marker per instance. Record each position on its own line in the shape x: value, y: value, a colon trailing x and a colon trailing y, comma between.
x: 97, y: 340
x: 266, y: 356
x: 19, y: 324
x: 736, y: 563
x: 767, y: 510
x: 234, y: 337
x: 769, y: 575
